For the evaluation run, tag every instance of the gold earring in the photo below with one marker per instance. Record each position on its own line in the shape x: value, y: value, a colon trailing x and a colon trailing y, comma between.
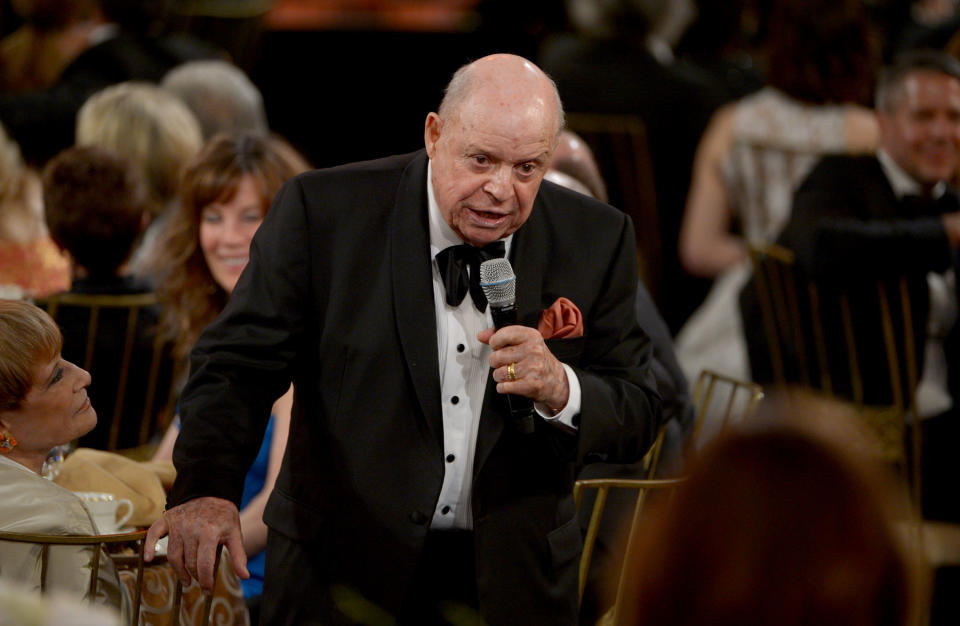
x: 7, y: 443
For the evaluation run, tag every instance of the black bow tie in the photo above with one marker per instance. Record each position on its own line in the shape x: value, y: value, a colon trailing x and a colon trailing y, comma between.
x: 947, y: 202
x: 453, y: 263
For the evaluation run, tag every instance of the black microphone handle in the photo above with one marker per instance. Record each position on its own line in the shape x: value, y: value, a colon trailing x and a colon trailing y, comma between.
x: 521, y: 407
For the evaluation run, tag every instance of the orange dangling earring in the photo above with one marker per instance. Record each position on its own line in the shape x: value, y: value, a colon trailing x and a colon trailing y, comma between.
x: 7, y: 443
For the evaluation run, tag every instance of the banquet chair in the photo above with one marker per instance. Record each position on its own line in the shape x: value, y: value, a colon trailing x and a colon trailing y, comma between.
x: 812, y: 341
x: 131, y: 562
x: 619, y: 144
x: 641, y: 488
x: 721, y: 400
x: 123, y: 353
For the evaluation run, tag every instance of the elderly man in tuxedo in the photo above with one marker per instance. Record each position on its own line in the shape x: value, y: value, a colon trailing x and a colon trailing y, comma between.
x: 405, y: 482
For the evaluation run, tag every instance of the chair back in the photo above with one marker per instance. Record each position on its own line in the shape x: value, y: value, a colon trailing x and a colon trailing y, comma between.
x: 129, y: 562
x: 114, y: 337
x: 720, y: 400
x: 817, y: 337
x: 619, y: 144
x: 641, y: 488
x: 651, y: 460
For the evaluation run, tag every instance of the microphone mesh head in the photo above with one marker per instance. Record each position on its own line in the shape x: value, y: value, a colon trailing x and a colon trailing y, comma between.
x: 498, y: 282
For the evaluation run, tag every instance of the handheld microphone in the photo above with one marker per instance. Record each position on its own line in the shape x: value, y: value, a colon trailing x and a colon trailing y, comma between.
x: 499, y: 285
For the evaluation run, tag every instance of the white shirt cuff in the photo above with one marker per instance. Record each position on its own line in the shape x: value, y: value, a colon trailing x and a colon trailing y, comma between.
x: 564, y: 419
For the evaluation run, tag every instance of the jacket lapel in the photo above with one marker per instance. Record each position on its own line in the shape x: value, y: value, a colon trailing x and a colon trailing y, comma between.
x: 413, y: 291
x: 528, y: 258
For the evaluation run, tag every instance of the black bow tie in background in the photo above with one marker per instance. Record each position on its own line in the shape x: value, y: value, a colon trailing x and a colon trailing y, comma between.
x: 453, y: 263
x: 915, y: 205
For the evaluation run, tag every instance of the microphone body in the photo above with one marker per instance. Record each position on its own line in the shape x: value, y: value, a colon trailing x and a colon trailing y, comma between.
x: 495, y: 275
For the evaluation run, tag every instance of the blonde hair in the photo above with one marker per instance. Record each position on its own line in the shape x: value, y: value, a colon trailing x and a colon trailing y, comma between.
x: 21, y: 214
x: 149, y: 126
x: 11, y: 167
x: 27, y: 337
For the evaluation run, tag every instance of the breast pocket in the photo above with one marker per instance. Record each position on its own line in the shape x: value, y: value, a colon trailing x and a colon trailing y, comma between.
x: 567, y: 350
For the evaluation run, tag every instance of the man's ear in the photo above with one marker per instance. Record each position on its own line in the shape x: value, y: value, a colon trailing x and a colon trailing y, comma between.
x: 432, y: 130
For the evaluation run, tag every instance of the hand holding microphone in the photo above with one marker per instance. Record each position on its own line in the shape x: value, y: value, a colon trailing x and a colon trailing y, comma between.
x: 524, y: 367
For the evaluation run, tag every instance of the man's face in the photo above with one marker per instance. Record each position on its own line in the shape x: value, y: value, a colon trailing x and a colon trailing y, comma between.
x: 922, y: 131
x: 487, y: 161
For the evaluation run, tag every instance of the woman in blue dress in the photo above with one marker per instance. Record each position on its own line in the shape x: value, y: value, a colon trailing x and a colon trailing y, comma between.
x: 225, y: 194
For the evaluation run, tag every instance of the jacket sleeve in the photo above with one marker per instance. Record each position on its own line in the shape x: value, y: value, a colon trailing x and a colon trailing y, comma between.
x: 839, y: 231
x: 244, y: 360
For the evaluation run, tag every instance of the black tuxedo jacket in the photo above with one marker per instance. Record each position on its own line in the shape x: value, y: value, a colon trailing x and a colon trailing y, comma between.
x: 849, y: 230
x: 338, y: 298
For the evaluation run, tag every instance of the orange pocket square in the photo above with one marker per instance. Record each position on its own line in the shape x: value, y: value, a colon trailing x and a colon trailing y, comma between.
x: 561, y: 321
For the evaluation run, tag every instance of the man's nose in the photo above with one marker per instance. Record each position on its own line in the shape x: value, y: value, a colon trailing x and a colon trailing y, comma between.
x: 944, y: 128
x: 498, y: 185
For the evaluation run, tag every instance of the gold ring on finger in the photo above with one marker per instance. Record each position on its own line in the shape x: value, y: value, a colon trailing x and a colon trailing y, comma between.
x: 512, y: 372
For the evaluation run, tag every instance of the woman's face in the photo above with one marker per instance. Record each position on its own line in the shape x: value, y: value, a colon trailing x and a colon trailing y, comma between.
x: 55, y: 411
x: 226, y: 230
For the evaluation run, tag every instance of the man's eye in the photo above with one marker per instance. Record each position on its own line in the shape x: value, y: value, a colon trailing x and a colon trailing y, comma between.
x: 528, y: 168
x: 480, y: 159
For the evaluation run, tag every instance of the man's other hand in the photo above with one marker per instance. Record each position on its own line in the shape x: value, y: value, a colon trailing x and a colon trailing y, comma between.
x: 196, y: 528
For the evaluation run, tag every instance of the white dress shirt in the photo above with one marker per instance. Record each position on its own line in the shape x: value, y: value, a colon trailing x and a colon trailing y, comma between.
x: 464, y: 367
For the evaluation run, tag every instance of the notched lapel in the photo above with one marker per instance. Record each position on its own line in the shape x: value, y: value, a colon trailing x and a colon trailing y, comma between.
x: 413, y: 291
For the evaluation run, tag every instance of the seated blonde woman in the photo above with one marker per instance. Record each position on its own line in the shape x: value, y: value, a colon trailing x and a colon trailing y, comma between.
x: 157, y: 134
x: 44, y: 403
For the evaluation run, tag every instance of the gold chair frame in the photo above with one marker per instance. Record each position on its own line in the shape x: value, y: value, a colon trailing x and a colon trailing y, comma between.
x: 99, y: 543
x: 778, y: 291
x: 603, y: 485
x: 706, y: 388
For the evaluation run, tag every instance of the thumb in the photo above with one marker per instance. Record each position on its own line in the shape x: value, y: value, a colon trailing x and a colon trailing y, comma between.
x: 157, y: 531
x: 484, y: 335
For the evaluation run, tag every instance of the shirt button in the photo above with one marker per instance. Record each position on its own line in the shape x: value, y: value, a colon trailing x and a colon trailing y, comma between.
x: 455, y: 399
x: 450, y: 458
x: 445, y: 510
x: 461, y: 347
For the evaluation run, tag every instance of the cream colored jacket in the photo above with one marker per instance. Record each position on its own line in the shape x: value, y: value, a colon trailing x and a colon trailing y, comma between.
x: 30, y: 503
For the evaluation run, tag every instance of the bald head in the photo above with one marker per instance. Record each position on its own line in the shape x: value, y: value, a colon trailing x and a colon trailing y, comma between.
x: 490, y: 146
x: 511, y: 77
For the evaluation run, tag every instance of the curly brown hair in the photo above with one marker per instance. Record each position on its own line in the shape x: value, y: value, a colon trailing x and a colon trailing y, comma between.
x: 188, y: 291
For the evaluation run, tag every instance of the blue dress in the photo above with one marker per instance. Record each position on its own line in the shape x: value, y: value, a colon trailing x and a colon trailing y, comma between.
x: 252, y: 485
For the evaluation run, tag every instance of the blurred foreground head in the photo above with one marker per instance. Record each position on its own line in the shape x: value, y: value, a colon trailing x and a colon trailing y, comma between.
x: 789, y: 521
